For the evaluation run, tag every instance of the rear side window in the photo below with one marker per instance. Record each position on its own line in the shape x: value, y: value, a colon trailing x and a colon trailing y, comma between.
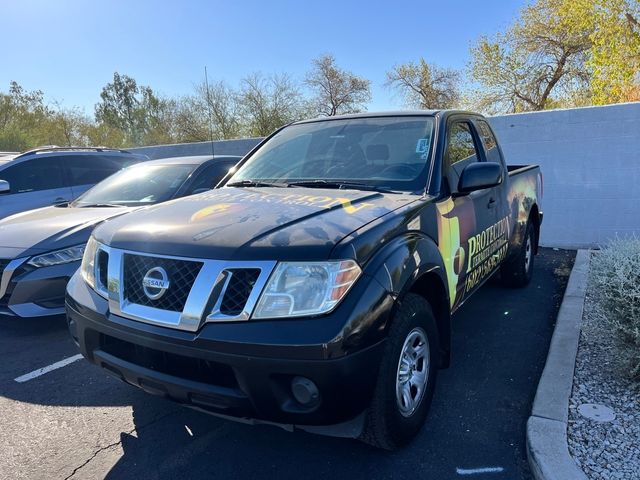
x: 34, y: 175
x: 210, y: 176
x: 91, y: 169
x: 489, y: 141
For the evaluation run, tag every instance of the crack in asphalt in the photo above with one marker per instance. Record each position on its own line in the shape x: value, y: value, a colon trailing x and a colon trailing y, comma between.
x: 115, y: 444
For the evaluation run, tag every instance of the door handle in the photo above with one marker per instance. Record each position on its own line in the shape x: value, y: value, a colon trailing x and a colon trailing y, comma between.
x: 492, y: 203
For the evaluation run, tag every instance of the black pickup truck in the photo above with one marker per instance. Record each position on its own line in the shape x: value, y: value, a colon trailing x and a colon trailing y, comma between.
x: 316, y: 287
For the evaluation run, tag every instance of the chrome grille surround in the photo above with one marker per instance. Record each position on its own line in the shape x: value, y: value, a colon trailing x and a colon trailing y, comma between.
x: 7, y: 267
x: 205, y: 296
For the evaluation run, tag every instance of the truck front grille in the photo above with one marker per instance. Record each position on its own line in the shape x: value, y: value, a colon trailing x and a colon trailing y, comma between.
x: 238, y: 291
x: 180, y: 292
x: 181, y: 273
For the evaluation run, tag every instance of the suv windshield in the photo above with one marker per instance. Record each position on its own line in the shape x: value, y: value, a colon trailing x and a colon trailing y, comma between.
x: 137, y: 185
x: 386, y: 152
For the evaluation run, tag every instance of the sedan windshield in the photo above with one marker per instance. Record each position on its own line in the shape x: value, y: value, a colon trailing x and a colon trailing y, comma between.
x: 384, y: 152
x: 137, y: 185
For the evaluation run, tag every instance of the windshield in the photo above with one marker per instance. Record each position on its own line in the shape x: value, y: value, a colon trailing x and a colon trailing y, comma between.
x: 137, y: 185
x: 389, y: 152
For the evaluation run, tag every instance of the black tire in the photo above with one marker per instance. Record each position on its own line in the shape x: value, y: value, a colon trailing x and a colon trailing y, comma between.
x: 386, y: 426
x: 517, y: 271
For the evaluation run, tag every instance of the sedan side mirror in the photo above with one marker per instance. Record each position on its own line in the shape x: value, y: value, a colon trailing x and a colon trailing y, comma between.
x: 479, y: 175
x: 4, y: 186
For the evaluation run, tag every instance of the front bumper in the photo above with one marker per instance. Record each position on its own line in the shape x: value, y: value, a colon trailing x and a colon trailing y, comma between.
x: 34, y: 292
x: 237, y: 369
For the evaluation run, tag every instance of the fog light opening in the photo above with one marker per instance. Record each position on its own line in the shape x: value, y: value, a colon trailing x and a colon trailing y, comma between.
x: 305, y: 391
x: 73, y: 330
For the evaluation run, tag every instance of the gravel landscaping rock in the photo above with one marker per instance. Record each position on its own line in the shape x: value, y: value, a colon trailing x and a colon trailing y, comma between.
x: 604, y: 450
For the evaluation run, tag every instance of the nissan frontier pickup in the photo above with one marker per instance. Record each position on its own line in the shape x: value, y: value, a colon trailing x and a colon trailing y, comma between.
x: 317, y: 286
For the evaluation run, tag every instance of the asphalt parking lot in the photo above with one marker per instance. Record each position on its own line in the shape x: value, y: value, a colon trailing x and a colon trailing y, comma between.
x: 77, y: 422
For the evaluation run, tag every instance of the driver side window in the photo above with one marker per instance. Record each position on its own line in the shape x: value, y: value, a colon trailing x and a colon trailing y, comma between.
x: 461, y: 151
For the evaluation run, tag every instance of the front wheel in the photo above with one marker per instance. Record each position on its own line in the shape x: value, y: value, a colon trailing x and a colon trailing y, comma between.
x: 406, y: 378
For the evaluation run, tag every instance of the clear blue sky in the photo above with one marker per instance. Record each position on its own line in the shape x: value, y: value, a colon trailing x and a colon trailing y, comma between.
x: 70, y: 48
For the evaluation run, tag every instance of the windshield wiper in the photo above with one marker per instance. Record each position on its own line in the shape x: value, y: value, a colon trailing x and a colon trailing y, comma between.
x: 255, y: 183
x: 98, y: 205
x: 341, y: 185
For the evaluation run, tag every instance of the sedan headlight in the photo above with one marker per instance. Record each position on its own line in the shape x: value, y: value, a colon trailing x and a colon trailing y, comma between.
x: 88, y: 266
x: 57, y: 257
x: 306, y: 288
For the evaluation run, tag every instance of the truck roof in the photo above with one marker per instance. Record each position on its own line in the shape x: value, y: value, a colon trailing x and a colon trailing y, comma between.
x: 396, y: 113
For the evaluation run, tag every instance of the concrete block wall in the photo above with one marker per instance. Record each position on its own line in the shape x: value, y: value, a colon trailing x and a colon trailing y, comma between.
x: 590, y: 159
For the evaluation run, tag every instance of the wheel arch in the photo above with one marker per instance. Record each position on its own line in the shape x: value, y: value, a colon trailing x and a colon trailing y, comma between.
x: 412, y: 263
x: 431, y: 287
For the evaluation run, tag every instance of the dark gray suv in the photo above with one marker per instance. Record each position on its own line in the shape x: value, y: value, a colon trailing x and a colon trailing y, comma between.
x: 51, y: 175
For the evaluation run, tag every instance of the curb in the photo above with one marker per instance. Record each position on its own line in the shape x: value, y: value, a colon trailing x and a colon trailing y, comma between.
x: 547, y: 448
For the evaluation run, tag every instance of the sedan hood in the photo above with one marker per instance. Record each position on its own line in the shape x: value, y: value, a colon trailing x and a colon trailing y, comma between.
x: 50, y: 228
x: 251, y: 223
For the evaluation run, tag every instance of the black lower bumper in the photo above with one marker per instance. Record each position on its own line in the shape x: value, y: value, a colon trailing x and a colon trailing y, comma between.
x: 191, y: 371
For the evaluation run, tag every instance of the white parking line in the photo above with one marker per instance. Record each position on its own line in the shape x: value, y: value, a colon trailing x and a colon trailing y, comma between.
x: 49, y: 368
x: 476, y: 471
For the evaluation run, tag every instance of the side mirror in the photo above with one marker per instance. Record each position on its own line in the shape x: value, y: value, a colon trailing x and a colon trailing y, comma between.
x: 4, y: 186
x: 479, y: 175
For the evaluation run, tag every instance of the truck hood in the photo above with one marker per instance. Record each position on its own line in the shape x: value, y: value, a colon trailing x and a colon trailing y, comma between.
x: 251, y: 223
x: 50, y: 228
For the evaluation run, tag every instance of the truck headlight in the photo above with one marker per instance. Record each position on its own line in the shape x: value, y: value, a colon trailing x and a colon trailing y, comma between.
x: 88, y: 265
x: 57, y: 257
x: 306, y: 288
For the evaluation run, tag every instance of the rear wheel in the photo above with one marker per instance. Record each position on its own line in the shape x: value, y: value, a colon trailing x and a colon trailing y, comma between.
x: 406, y: 378
x: 518, y: 270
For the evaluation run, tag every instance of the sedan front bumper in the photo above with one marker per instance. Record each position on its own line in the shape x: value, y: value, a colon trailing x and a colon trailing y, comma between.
x: 27, y: 291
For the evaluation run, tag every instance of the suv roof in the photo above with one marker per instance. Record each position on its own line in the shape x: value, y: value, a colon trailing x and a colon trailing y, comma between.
x: 66, y: 150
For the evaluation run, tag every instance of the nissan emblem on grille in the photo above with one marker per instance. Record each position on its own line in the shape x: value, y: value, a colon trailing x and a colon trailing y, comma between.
x: 155, y: 283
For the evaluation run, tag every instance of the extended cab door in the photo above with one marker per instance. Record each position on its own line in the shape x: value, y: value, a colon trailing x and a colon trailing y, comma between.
x: 474, y: 217
x: 494, y: 154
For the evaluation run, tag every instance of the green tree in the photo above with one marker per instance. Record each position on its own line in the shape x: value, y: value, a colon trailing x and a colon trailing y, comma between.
x: 267, y: 103
x: 143, y: 116
x: 614, y: 57
x: 424, y: 85
x: 212, y: 112
x: 24, y: 118
x: 540, y: 59
x: 336, y: 91
x: 99, y: 134
x: 68, y: 126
